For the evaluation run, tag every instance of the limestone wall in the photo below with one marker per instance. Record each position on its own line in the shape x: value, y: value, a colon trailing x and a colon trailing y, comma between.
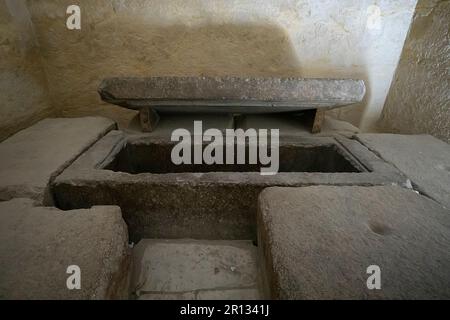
x: 419, y: 100
x: 328, y: 38
x: 23, y: 84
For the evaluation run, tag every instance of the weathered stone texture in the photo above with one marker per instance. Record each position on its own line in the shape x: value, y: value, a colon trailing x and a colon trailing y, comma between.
x: 189, y: 269
x: 32, y: 157
x: 317, y: 243
x: 246, y: 95
x: 419, y: 98
x: 423, y: 158
x: 270, y: 38
x: 161, y: 200
x: 23, y: 84
x: 38, y: 244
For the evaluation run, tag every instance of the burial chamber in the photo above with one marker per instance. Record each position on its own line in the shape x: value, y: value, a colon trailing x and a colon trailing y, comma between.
x: 160, y: 199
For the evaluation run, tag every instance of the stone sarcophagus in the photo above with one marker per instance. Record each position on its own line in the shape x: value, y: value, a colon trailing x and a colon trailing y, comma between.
x: 228, y: 95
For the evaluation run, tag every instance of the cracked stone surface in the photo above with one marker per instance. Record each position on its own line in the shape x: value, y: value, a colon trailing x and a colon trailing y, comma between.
x: 317, y: 243
x: 31, y: 158
x: 38, y: 244
x: 195, y: 270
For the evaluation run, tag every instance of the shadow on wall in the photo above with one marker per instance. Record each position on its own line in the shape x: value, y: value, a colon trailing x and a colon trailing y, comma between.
x: 254, y: 50
x: 77, y: 61
x: 23, y: 85
x: 142, y: 50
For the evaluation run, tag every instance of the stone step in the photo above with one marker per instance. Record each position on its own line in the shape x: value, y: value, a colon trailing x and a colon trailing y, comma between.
x: 38, y: 244
x: 318, y: 243
x: 195, y: 270
x: 31, y: 158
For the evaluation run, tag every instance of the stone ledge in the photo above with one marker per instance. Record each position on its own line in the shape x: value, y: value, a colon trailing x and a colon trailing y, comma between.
x: 33, y: 157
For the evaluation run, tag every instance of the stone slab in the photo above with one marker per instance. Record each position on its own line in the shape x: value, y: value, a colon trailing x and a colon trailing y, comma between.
x: 423, y: 158
x: 31, y: 158
x: 38, y: 244
x: 192, y: 269
x: 231, y: 94
x: 317, y: 243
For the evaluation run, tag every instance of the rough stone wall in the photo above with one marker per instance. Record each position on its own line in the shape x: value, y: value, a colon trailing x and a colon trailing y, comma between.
x: 329, y: 38
x: 23, y: 85
x: 419, y: 99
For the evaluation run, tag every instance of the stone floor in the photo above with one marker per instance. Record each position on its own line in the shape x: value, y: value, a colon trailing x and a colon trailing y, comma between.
x: 195, y: 270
